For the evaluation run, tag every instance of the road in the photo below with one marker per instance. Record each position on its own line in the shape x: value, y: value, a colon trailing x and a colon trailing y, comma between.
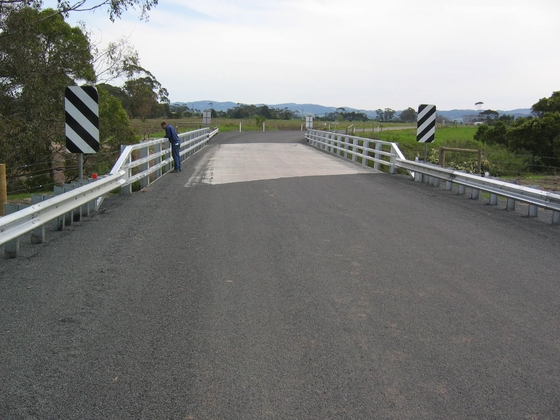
x: 287, y: 285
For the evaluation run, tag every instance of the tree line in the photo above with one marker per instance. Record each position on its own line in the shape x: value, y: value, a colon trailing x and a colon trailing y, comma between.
x: 536, y: 136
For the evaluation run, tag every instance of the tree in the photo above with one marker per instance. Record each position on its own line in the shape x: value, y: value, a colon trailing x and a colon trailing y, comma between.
x: 409, y: 115
x: 64, y: 7
x: 545, y: 105
x: 539, y: 137
x: 385, y: 115
x: 489, y: 116
x: 114, y: 124
x: 40, y: 55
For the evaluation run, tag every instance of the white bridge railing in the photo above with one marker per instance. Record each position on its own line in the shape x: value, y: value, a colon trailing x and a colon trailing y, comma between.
x: 143, y: 162
x: 362, y: 150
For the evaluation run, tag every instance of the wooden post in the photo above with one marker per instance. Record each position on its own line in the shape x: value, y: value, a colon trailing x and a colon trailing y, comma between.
x: 3, y: 188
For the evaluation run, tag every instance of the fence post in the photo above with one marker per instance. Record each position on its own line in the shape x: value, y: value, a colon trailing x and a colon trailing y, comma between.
x: 3, y: 188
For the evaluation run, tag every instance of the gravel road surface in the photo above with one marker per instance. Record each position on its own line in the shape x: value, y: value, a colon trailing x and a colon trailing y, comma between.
x: 287, y: 285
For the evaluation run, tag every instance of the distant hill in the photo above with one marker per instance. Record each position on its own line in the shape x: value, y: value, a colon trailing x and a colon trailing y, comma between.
x: 320, y: 110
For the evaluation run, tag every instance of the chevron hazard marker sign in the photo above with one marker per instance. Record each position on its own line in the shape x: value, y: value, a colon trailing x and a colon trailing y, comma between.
x: 82, y: 119
x: 426, y: 123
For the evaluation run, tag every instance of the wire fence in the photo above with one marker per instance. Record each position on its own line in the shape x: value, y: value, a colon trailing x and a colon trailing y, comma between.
x: 56, y: 169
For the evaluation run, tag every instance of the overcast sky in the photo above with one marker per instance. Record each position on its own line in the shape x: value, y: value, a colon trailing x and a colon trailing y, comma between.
x: 364, y: 54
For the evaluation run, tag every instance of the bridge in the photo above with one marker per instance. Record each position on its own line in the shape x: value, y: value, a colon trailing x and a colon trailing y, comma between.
x: 271, y: 280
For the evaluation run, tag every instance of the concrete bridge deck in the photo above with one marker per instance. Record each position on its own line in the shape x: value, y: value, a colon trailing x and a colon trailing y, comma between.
x: 269, y: 280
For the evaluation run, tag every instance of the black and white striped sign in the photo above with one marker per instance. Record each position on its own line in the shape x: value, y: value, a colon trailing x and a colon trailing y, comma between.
x: 426, y: 123
x: 82, y: 119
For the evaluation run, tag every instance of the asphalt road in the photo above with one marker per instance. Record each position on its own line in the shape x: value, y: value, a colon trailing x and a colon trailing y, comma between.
x: 215, y: 295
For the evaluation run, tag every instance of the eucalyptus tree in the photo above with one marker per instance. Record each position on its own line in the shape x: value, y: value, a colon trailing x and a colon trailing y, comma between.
x: 40, y: 54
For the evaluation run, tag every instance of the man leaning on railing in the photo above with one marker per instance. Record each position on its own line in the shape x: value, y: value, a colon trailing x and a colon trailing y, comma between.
x: 173, y: 138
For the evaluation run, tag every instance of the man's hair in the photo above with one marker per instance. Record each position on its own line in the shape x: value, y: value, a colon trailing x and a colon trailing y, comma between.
x: 163, y: 123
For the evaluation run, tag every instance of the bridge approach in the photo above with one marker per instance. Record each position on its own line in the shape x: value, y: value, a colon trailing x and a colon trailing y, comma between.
x: 271, y: 280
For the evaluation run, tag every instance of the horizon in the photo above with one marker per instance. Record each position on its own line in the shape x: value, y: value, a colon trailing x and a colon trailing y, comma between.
x: 207, y: 101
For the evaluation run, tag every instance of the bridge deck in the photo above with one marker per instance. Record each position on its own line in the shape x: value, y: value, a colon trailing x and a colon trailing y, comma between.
x: 287, y: 285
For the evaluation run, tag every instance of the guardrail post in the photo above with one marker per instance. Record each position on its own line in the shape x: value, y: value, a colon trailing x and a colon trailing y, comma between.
x: 448, y: 185
x: 60, y: 222
x: 556, y: 217
x: 75, y: 214
x: 11, y: 248
x: 461, y: 189
x: 38, y: 235
x: 435, y: 182
x: 510, y: 204
x: 533, y: 210
x: 355, y: 150
x: 85, y: 209
x: 474, y: 194
x: 493, y: 199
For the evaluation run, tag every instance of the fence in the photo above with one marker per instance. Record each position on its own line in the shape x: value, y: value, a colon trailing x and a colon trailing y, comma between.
x: 143, y: 163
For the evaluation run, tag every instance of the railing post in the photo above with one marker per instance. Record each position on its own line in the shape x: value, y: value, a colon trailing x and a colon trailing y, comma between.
x: 157, y: 150
x: 338, y: 143
x: 556, y: 217
x: 493, y: 199
x: 378, y: 148
x: 355, y: 150
x: 144, y: 153
x: 127, y: 189
x: 365, y: 152
x: 510, y: 204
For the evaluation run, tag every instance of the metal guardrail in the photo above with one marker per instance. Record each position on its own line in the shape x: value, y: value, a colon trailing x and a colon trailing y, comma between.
x: 352, y: 147
x: 74, y: 200
x: 534, y: 197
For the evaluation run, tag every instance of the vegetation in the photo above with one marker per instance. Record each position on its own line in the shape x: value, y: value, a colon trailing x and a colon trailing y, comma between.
x: 41, y: 54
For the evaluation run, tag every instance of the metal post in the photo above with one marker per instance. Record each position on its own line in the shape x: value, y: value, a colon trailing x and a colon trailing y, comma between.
x: 3, y: 188
x: 80, y: 166
x: 533, y: 210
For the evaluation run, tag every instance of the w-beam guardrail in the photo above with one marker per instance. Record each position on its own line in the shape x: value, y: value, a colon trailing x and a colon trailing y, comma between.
x: 363, y: 150
x: 144, y: 162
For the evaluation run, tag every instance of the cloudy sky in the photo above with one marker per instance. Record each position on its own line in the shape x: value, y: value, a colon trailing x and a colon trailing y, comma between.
x: 364, y: 54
